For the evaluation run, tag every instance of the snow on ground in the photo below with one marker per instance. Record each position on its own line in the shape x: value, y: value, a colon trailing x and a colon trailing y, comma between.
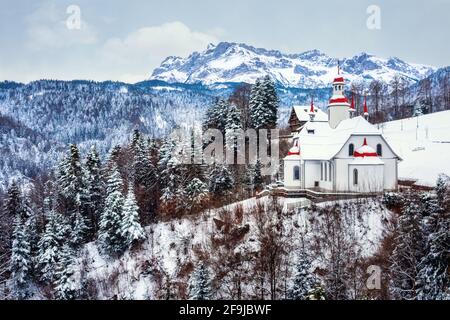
x: 424, y: 145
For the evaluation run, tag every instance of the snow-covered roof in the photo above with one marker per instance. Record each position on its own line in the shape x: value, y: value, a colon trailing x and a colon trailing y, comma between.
x: 318, y: 141
x: 302, y: 113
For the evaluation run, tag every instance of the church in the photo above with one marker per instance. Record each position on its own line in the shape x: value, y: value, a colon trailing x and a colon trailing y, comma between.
x: 337, y: 150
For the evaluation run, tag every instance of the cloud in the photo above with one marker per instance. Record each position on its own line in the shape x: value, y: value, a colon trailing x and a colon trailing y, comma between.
x: 145, y: 48
x: 47, y: 29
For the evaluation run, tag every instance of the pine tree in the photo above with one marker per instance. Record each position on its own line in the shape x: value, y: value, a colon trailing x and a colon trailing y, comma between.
x: 304, y: 282
x: 221, y: 180
x: 216, y: 116
x: 13, y: 201
x: 143, y: 170
x: 257, y: 175
x: 55, y: 234
x: 263, y: 104
x: 21, y: 259
x: 110, y: 236
x: 197, y: 192
x: 199, y: 286
x: 408, y: 250
x: 67, y: 282
x: 131, y: 230
x: 96, y: 187
x: 79, y: 230
x: 432, y: 280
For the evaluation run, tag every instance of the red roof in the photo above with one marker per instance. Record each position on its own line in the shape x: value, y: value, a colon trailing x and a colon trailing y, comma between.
x: 366, y: 110
x: 312, y: 106
x: 365, y: 151
x: 352, y: 105
x: 294, y: 151
x: 339, y: 100
x: 338, y: 79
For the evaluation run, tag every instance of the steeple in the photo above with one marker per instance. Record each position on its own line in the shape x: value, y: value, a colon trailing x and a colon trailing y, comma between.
x: 351, y: 110
x: 338, y: 104
x: 312, y: 112
x: 366, y: 110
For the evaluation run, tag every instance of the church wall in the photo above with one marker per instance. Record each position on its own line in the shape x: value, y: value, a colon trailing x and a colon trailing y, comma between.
x: 312, y: 173
x: 289, y: 181
x: 390, y: 174
x: 370, y: 178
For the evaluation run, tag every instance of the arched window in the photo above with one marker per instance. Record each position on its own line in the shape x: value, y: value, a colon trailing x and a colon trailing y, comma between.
x: 355, y: 176
x: 296, y: 173
x: 379, y: 150
x: 351, y: 149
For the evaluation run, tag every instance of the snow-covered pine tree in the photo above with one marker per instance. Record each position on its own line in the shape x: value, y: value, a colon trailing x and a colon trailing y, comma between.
x: 67, y: 280
x: 199, y: 284
x: 432, y: 280
x: 257, y: 175
x: 270, y: 100
x: 131, y: 229
x: 304, y: 282
x: 96, y: 187
x: 263, y: 104
x: 13, y: 201
x: 21, y: 259
x: 110, y: 237
x: 221, y: 180
x: 443, y: 191
x: 143, y: 170
x: 408, y: 250
x: 232, y: 125
x: 197, y: 192
x: 79, y: 229
x: 216, y: 116
x: 55, y: 234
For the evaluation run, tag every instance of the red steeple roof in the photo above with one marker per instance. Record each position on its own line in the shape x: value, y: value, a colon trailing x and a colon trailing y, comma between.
x: 312, y: 105
x: 366, y: 110
x: 352, y: 105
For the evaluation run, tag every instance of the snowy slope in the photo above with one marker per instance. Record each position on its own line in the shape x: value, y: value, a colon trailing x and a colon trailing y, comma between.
x: 172, y: 246
x: 232, y: 62
x: 428, y: 155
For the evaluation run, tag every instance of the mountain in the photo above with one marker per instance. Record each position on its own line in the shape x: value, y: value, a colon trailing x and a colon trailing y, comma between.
x: 234, y: 62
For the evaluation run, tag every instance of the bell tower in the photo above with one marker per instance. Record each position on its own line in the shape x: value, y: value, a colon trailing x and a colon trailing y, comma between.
x: 338, y: 106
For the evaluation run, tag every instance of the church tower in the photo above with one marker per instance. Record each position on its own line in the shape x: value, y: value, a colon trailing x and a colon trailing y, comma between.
x: 338, y: 107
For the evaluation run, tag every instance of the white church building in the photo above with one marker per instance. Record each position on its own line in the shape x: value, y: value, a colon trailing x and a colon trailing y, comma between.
x: 344, y: 153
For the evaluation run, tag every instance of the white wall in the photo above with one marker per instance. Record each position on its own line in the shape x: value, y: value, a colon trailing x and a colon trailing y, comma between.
x: 289, y: 181
x: 312, y: 173
x: 336, y: 114
x: 370, y: 178
x: 390, y: 175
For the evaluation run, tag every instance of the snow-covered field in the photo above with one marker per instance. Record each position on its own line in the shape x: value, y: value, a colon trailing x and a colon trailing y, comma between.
x: 424, y: 145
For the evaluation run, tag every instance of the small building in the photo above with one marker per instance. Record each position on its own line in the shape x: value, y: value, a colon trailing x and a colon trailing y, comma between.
x: 301, y: 114
x: 344, y: 153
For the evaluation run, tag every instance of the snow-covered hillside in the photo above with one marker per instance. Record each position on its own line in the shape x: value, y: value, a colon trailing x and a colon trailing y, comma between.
x: 233, y: 62
x: 172, y: 247
x: 424, y: 145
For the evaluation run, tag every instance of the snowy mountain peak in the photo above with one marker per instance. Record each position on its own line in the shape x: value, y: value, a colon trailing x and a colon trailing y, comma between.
x: 239, y: 62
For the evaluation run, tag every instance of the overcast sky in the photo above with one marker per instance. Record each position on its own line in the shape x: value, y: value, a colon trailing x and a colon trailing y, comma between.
x: 126, y: 40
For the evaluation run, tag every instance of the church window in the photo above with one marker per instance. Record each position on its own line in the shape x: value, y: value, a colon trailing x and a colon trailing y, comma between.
x: 351, y: 149
x: 355, y: 176
x: 379, y: 149
x: 296, y: 173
